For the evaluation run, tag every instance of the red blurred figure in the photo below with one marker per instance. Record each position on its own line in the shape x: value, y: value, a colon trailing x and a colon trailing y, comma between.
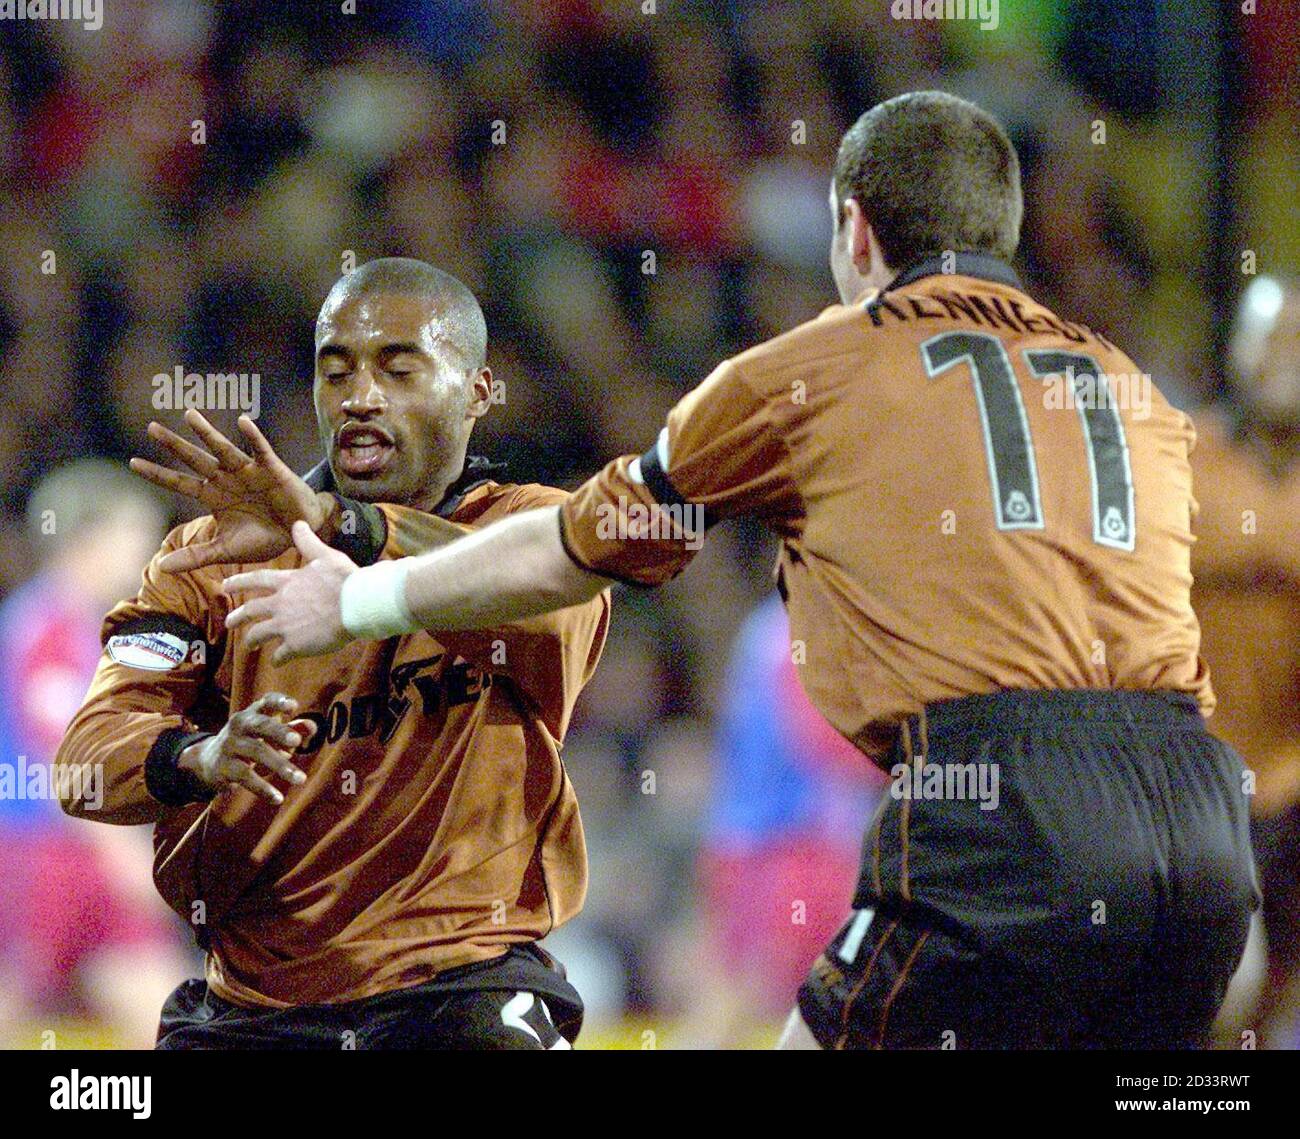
x: 82, y: 934
x: 791, y: 801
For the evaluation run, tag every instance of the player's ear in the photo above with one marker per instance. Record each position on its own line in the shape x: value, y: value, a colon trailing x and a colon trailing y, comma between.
x: 860, y: 232
x: 480, y: 394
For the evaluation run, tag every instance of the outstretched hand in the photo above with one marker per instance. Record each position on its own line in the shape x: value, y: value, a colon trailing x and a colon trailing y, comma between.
x: 254, y: 499
x: 300, y: 609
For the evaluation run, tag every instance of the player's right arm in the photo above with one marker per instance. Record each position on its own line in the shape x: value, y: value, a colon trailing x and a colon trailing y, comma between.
x: 153, y: 734
x: 722, y: 454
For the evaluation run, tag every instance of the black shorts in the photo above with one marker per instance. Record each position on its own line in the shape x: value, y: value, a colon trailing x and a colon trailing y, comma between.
x: 517, y: 1001
x: 1069, y: 870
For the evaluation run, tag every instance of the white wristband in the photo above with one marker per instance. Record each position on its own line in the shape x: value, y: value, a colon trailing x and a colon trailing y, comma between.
x: 373, y: 601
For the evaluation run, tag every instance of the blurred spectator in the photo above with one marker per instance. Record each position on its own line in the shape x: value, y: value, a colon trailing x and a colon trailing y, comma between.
x: 1246, y: 562
x: 82, y: 932
x: 790, y: 805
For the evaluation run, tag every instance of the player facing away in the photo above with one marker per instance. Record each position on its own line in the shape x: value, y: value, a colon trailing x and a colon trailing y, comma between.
x: 368, y: 844
x: 986, y: 532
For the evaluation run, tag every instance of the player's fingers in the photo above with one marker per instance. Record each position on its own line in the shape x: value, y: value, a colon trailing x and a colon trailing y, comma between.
x: 254, y: 612
x: 262, y: 633
x: 309, y: 546
x: 261, y: 447
x: 197, y: 459
x: 284, y: 650
x: 237, y: 771
x: 306, y: 729
x: 194, y: 557
x: 275, y: 704
x: 262, y: 753
x: 253, y: 580
x: 261, y: 726
x: 168, y: 479
x: 228, y: 455
x: 284, y: 654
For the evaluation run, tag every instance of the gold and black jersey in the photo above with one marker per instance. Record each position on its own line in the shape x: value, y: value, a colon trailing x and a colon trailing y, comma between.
x: 437, y: 826
x: 971, y: 494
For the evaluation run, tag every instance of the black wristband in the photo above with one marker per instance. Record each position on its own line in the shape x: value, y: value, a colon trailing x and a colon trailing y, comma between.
x: 660, y: 485
x: 164, y: 780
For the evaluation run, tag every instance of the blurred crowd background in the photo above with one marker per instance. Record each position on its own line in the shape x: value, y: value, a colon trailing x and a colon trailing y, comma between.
x: 633, y: 197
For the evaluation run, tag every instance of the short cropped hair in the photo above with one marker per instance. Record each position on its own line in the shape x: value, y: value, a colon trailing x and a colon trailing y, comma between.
x: 460, y: 311
x: 933, y: 173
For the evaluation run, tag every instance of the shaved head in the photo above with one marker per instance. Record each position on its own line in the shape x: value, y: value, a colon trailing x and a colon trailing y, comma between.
x: 401, y: 379
x: 456, y: 315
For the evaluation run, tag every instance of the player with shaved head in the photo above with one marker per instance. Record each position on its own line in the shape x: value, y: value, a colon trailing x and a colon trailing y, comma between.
x: 408, y: 315
x: 369, y: 846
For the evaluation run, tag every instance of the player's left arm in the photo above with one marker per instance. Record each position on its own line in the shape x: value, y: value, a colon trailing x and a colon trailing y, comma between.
x: 640, y: 519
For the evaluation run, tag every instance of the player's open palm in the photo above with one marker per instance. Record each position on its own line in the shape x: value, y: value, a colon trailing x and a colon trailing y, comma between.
x: 298, y: 611
x: 254, y: 499
x: 255, y: 742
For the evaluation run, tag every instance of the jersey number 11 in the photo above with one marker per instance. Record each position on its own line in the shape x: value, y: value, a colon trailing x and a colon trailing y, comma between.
x: 1013, y: 472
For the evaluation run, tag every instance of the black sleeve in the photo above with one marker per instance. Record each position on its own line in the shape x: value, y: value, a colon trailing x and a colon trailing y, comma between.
x: 166, y: 782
